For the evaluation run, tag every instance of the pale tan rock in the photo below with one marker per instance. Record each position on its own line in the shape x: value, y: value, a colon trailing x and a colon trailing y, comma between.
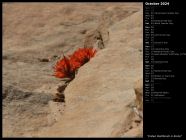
x: 94, y: 39
x: 138, y: 131
x: 56, y: 111
x: 98, y: 99
x: 139, y: 94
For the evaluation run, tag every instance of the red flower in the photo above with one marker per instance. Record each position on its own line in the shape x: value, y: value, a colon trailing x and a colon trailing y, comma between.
x: 81, y: 56
x: 63, y: 69
x: 66, y: 68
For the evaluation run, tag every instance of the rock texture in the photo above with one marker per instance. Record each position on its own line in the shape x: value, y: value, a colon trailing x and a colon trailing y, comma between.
x: 22, y: 111
x: 103, y: 99
x: 139, y: 96
x: 99, y: 98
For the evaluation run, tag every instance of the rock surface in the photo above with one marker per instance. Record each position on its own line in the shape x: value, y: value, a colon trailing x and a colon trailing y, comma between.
x: 100, y: 101
x: 98, y: 98
x: 139, y: 96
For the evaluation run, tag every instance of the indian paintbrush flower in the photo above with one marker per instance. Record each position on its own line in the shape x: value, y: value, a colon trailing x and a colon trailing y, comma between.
x: 67, y: 67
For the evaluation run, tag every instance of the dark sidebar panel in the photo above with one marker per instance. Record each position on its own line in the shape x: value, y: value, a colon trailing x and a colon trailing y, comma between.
x: 164, y: 69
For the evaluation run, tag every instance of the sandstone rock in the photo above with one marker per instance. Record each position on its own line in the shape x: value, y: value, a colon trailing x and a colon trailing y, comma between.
x: 44, y: 59
x: 56, y: 111
x: 91, y: 38
x: 98, y: 99
x: 24, y: 112
x: 59, y: 97
x: 61, y: 88
x: 139, y: 95
x: 83, y: 31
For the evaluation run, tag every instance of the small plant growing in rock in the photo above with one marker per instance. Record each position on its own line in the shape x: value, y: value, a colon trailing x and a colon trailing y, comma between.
x: 67, y: 68
x: 63, y: 68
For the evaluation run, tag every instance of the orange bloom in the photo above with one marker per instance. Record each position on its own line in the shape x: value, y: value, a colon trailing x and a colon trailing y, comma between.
x: 81, y: 56
x: 63, y: 69
x: 66, y: 68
